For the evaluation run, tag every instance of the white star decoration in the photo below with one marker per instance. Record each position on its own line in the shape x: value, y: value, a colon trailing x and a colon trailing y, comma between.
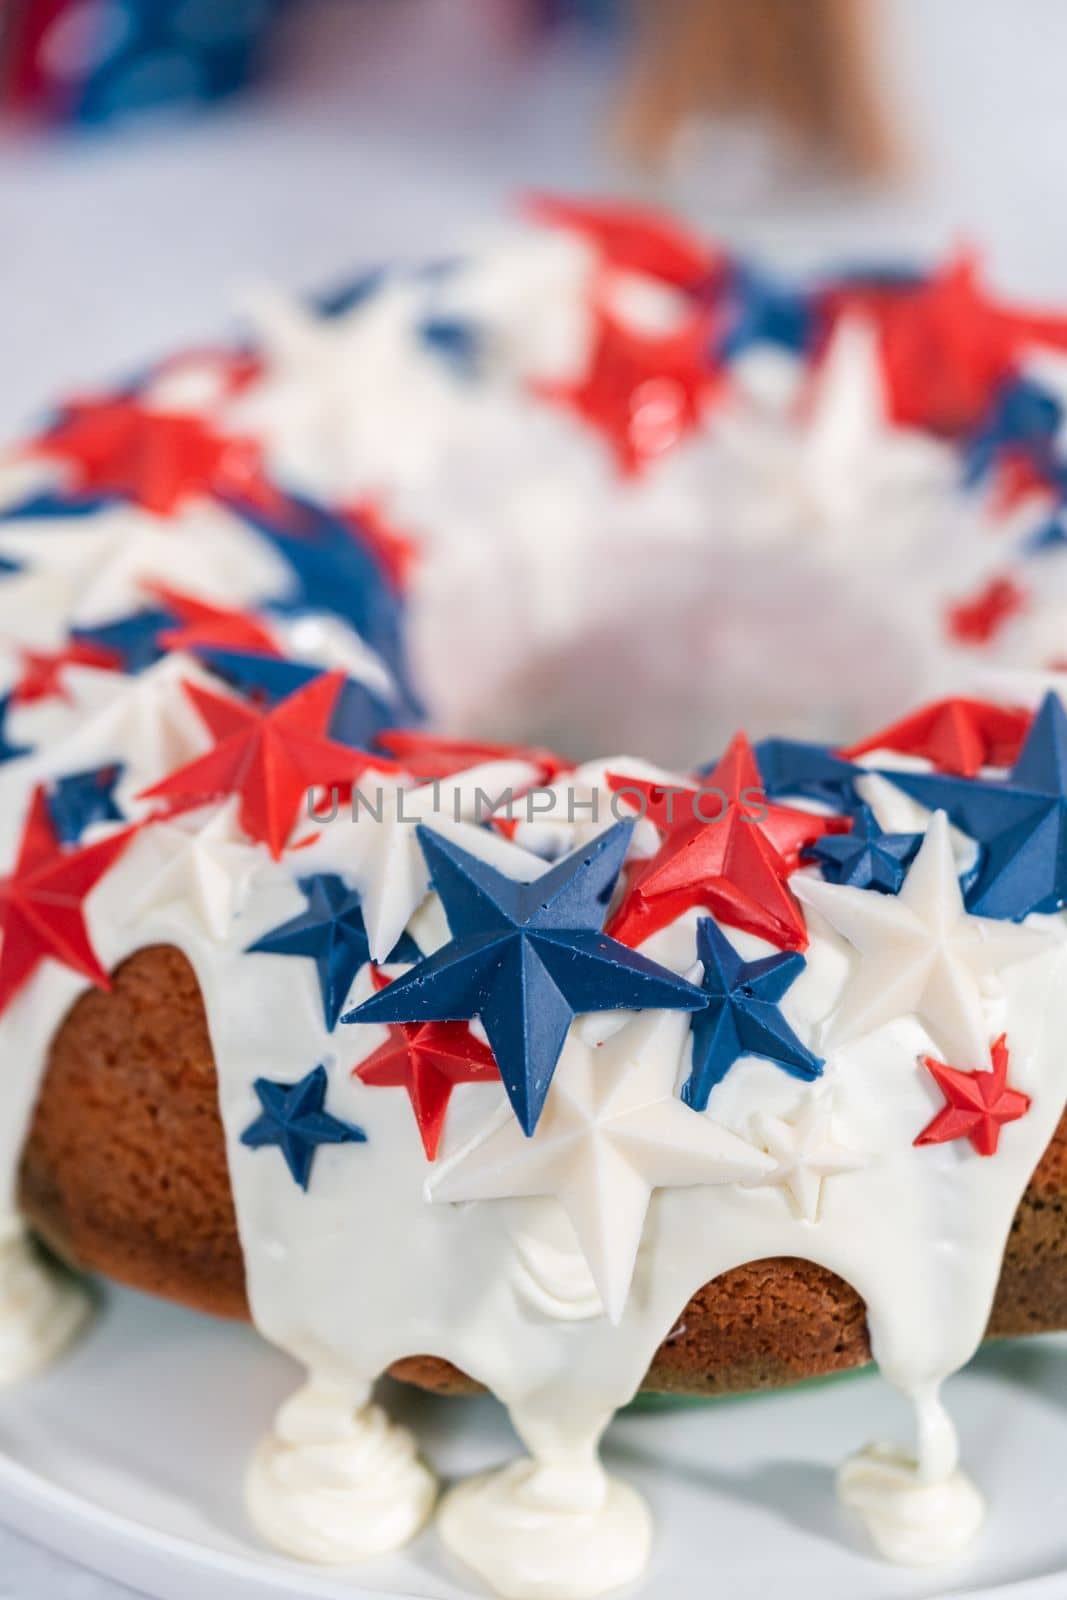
x: 387, y: 861
x: 922, y: 953
x: 805, y: 1152
x: 93, y: 569
x: 611, y: 1132
x: 205, y: 867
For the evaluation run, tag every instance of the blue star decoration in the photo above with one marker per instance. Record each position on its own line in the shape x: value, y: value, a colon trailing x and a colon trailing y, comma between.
x: 332, y: 571
x: 763, y: 311
x: 742, y: 1016
x: 78, y: 800
x: 1020, y: 822
x: 455, y: 342
x: 1024, y: 418
x: 8, y: 751
x: 527, y: 958
x: 295, y: 1119
x: 810, y: 771
x: 56, y: 503
x: 332, y: 933
x: 133, y: 638
x: 866, y: 858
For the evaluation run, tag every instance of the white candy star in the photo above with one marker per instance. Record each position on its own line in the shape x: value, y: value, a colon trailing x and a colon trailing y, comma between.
x: 387, y: 861
x: 805, y: 1152
x: 922, y: 953
x: 205, y: 866
x: 611, y: 1132
x: 95, y: 568
x: 146, y: 722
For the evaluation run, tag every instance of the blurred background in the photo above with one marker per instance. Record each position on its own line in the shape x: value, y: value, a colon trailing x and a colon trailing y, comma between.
x: 159, y: 156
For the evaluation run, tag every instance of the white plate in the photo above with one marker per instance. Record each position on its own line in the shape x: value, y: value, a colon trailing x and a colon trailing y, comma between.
x: 129, y: 1457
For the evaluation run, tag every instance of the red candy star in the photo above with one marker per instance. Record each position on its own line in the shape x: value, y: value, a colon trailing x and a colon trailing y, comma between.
x: 979, y: 620
x: 958, y: 735
x: 978, y: 1105
x: 947, y: 346
x: 158, y: 458
x: 270, y: 758
x: 643, y: 392
x: 41, y: 912
x: 41, y: 675
x: 633, y: 240
x: 727, y: 848
x: 428, y: 1059
x: 213, y: 627
x: 426, y: 756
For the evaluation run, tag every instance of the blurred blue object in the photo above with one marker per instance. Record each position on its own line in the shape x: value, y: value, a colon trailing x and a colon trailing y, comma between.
x: 101, y: 61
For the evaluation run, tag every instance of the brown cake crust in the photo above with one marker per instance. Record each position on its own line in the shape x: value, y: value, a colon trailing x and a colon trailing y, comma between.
x: 124, y: 1173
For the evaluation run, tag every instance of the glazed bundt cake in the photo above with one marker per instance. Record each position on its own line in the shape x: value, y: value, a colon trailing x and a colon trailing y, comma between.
x: 326, y: 1003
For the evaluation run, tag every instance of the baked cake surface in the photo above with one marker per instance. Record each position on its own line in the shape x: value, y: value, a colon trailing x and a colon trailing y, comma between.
x: 484, y: 1063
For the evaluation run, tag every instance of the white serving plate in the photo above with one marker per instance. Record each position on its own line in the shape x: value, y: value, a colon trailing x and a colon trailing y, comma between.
x: 129, y: 1456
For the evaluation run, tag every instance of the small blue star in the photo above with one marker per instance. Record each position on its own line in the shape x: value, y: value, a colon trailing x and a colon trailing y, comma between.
x: 134, y: 639
x: 1051, y: 535
x: 527, y: 958
x: 8, y: 751
x: 346, y: 297
x: 1019, y: 821
x: 294, y: 1119
x: 358, y: 716
x: 742, y: 1016
x: 1025, y: 418
x: 866, y: 858
x: 333, y: 934
x: 809, y: 771
x: 764, y: 311
x: 82, y: 798
x: 455, y: 341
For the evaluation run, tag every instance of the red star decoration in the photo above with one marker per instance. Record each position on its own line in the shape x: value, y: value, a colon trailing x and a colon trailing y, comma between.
x: 979, y: 620
x: 947, y: 346
x: 270, y: 758
x: 213, y: 627
x: 727, y: 848
x: 958, y: 735
x: 634, y: 240
x: 642, y: 392
x: 41, y: 675
x: 426, y: 756
x: 428, y: 1059
x: 978, y: 1104
x: 160, y: 459
x: 41, y: 911
x: 394, y: 551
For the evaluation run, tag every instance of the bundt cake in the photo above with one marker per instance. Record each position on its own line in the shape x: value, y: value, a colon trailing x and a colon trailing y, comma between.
x: 326, y: 1003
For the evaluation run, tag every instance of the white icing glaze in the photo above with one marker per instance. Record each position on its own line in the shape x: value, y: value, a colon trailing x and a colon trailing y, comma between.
x: 575, y: 1537
x: 336, y: 1481
x: 42, y: 1307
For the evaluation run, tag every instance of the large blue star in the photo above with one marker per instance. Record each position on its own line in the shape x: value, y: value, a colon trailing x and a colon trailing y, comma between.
x: 742, y: 1016
x: 331, y: 931
x: 811, y: 771
x: 527, y: 958
x: 333, y: 572
x: 133, y: 638
x: 82, y: 798
x: 866, y: 858
x: 1019, y: 821
x: 295, y: 1119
